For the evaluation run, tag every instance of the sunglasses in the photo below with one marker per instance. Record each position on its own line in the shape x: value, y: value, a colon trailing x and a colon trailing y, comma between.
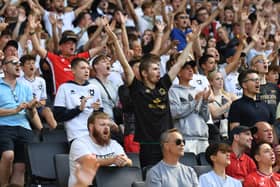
x: 14, y: 62
x: 15, y: 95
x: 180, y: 141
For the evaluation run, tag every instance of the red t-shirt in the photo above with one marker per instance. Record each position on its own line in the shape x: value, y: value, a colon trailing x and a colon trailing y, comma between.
x: 61, y: 67
x: 240, y: 168
x: 258, y: 179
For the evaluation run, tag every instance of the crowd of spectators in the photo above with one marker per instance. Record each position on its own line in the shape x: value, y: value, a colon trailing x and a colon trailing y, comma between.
x: 133, y: 70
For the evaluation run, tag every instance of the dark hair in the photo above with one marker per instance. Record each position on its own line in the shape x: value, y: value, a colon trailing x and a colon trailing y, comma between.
x: 204, y: 58
x: 146, y: 61
x: 134, y: 61
x: 76, y: 61
x: 256, y: 149
x: 97, y: 59
x: 79, y: 18
x: 242, y: 76
x: 213, y: 149
x: 96, y: 115
x: 178, y: 14
x: 25, y: 58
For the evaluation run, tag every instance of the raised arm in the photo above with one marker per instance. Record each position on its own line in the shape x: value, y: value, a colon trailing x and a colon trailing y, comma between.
x: 184, y: 56
x: 235, y: 60
x: 129, y: 75
x: 160, y: 27
x: 55, y: 37
x: 219, y: 8
x: 32, y: 32
x: 83, y: 7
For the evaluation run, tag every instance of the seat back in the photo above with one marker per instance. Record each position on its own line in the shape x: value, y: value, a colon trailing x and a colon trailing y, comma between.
x: 54, y: 136
x: 202, y: 169
x: 138, y: 184
x: 202, y: 159
x: 62, y: 170
x: 189, y: 159
x: 135, y: 159
x: 40, y: 156
x: 117, y: 176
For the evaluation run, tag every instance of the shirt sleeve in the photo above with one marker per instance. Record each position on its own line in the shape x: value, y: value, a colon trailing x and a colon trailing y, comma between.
x: 153, y: 179
x: 234, y: 113
x: 249, y: 182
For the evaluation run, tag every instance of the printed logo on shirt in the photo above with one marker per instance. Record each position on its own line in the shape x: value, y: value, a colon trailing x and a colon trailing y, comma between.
x: 199, y: 82
x: 237, y: 86
x: 72, y: 91
x: 106, y: 156
x: 40, y: 87
x: 162, y: 91
x: 148, y: 91
x: 91, y: 92
x: 157, y: 104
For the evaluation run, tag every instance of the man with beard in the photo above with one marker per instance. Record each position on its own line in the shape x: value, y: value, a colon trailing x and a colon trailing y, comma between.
x: 248, y: 110
x: 108, y: 152
x: 240, y: 163
x: 265, y: 158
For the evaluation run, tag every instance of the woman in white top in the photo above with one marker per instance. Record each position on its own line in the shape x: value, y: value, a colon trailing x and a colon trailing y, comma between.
x: 222, y: 100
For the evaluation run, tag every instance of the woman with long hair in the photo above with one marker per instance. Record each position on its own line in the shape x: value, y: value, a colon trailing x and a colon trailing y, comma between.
x: 222, y: 100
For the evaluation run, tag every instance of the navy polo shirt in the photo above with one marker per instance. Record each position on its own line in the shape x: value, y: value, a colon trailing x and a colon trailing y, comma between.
x: 248, y: 111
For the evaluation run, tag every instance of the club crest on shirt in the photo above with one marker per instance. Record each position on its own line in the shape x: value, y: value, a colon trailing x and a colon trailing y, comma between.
x: 199, y: 82
x: 162, y: 91
x: 91, y: 92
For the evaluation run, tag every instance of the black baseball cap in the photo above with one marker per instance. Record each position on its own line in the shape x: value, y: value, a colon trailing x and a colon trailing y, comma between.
x: 239, y: 129
x: 68, y: 36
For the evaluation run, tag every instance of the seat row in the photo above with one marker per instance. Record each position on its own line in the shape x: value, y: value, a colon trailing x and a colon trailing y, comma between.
x: 48, y: 164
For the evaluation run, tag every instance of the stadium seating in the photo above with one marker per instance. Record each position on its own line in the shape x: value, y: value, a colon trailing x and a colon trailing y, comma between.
x: 62, y: 170
x: 40, y: 166
x: 117, y: 176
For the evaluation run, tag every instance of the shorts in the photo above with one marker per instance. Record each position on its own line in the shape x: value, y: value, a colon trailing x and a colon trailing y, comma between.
x: 14, y: 138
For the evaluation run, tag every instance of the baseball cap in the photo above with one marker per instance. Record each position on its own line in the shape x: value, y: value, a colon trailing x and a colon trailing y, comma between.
x: 239, y: 129
x: 13, y: 43
x: 68, y: 36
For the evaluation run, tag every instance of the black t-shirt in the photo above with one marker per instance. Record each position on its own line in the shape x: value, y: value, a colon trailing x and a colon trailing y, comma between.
x: 152, y: 109
x: 247, y: 112
x: 269, y: 93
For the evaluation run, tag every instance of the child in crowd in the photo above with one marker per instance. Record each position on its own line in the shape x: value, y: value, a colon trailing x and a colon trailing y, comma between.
x: 38, y: 86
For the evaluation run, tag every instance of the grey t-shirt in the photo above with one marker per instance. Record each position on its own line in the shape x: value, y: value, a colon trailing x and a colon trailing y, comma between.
x: 165, y: 175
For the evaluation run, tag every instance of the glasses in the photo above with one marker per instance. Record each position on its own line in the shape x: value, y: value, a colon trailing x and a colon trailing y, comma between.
x: 15, y: 95
x: 180, y: 141
x: 14, y: 62
x: 252, y: 79
x: 262, y: 61
x: 183, y: 17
